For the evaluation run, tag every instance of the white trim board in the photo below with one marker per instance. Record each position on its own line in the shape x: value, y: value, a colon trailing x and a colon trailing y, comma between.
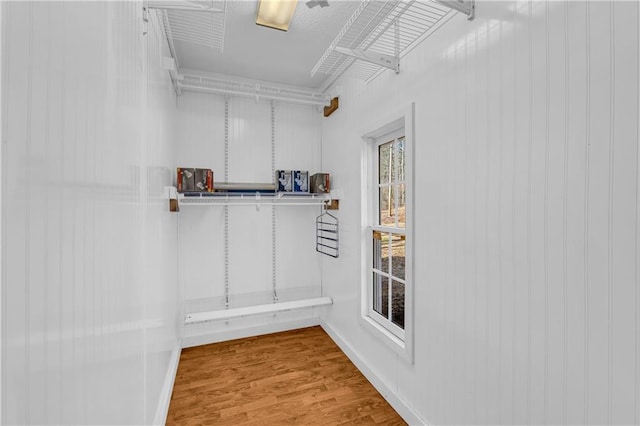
x: 242, y: 332
x: 398, y: 404
x: 224, y: 314
x: 167, y: 387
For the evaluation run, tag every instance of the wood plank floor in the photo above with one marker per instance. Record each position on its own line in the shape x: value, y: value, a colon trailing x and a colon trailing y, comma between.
x: 296, y: 377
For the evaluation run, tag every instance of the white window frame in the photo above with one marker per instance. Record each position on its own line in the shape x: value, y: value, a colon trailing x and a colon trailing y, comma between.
x: 398, y: 123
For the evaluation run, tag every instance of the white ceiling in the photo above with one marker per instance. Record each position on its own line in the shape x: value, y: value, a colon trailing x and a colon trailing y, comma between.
x: 259, y: 53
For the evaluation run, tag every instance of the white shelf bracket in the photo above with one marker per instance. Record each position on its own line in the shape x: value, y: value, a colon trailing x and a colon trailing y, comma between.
x: 468, y: 7
x: 380, y: 59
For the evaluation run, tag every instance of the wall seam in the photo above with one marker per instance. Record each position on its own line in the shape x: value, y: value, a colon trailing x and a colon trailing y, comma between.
x: 513, y: 216
x: 486, y: 224
x: 63, y: 96
x: 529, y: 219
x: 47, y: 197
x: 546, y: 212
x: 465, y: 201
x: 637, y: 242
x: 4, y: 125
x: 474, y: 234
x: 610, y: 254
x: 565, y: 197
x: 500, y: 230
x: 27, y: 245
x: 586, y: 213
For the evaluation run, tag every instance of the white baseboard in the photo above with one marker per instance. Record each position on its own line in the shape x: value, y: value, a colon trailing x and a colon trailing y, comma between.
x: 167, y: 387
x: 240, y: 333
x: 406, y: 412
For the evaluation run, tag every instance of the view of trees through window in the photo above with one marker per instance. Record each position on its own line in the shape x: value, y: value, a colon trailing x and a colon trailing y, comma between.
x: 389, y: 244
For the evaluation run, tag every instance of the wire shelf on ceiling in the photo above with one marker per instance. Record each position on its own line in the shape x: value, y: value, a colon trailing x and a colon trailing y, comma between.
x: 205, y: 84
x: 199, y: 22
x: 383, y: 28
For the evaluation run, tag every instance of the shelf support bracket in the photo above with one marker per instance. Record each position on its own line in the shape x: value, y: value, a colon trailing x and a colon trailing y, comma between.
x: 380, y: 59
x: 468, y: 7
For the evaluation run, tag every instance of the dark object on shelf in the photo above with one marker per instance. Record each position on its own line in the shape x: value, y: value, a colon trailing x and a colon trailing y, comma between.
x: 284, y: 181
x: 185, y: 179
x: 204, y: 180
x: 319, y: 183
x: 301, y: 181
x: 194, y: 180
x: 327, y: 234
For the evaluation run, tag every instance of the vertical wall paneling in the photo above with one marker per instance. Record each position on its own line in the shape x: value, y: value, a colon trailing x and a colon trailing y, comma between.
x: 3, y: 98
x: 526, y: 266
x: 623, y: 187
x: 249, y: 154
x: 160, y: 239
x: 637, y: 229
x: 201, y: 143
x: 89, y: 285
x: 565, y: 196
x: 251, y: 254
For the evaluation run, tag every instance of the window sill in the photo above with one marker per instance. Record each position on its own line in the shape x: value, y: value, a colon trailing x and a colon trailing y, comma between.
x: 388, y: 338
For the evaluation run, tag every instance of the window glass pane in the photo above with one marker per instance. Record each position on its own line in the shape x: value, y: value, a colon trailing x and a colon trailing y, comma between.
x: 381, y: 251
x: 402, y: 201
x: 398, y: 249
x: 377, y: 250
x: 381, y: 295
x: 400, y: 159
x: 397, y: 301
x: 387, y: 212
x: 385, y: 153
x: 384, y: 252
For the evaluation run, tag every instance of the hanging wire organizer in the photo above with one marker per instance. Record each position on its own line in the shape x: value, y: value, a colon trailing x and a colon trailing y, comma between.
x: 327, y: 241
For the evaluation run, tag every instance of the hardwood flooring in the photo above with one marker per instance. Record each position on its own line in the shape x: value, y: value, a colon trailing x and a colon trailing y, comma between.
x: 297, y: 377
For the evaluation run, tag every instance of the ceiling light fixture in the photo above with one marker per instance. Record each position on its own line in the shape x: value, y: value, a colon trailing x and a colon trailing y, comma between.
x: 275, y: 13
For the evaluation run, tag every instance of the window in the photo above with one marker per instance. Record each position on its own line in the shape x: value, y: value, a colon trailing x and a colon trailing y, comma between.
x: 388, y: 234
x: 386, y: 296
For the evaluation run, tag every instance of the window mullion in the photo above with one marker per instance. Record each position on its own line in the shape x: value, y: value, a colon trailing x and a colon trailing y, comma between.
x: 395, y: 182
x: 390, y: 267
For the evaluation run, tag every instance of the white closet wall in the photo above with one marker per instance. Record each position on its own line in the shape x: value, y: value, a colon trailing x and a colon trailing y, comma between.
x: 527, y: 235
x: 264, y: 245
x: 89, y: 283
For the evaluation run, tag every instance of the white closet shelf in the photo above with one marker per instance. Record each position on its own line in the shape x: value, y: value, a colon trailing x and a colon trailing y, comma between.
x: 255, y: 310
x: 257, y: 199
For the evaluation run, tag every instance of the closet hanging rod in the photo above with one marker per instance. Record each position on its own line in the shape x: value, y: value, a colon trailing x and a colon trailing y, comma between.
x: 257, y: 94
x: 183, y: 5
